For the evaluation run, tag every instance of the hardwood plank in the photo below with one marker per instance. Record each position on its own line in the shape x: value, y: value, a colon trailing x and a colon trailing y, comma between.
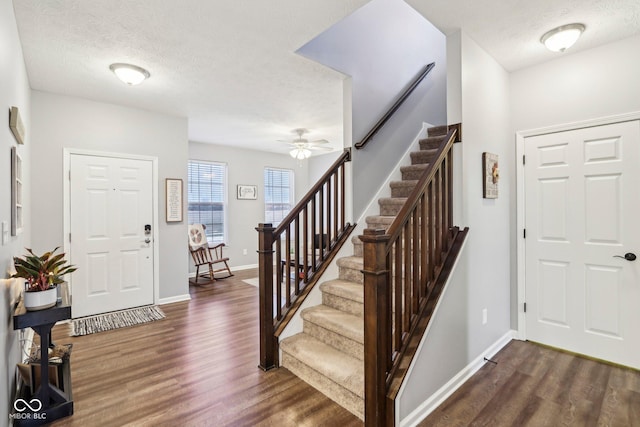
x: 533, y: 385
x: 197, y: 367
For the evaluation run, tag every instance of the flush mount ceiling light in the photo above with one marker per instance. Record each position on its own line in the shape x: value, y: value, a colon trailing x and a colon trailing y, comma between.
x: 130, y: 74
x: 562, y: 38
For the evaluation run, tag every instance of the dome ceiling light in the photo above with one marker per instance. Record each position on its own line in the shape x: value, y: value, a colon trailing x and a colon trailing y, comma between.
x: 562, y: 38
x: 129, y: 74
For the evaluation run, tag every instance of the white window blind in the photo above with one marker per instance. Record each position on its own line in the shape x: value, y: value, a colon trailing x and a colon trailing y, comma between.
x: 278, y: 194
x: 207, y: 198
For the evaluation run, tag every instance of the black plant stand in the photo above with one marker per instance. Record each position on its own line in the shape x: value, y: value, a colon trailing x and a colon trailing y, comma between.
x: 55, y: 402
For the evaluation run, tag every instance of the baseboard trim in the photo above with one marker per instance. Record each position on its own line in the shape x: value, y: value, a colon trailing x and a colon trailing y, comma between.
x: 429, y: 405
x: 177, y: 298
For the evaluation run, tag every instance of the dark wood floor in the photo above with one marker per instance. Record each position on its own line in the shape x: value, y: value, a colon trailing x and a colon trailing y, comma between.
x: 198, y: 367
x: 534, y: 385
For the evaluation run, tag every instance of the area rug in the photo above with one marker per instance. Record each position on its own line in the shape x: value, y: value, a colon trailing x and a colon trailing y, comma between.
x: 115, y: 319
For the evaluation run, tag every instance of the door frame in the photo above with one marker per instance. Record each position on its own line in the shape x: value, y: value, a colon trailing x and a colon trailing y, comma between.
x: 520, y: 198
x: 66, y: 200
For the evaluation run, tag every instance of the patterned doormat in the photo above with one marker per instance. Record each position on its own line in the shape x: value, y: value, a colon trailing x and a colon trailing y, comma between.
x: 115, y: 319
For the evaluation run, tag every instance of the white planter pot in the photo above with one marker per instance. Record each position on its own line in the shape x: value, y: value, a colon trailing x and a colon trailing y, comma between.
x: 40, y: 300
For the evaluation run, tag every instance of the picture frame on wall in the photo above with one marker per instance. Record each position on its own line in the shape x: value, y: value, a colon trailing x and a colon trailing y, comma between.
x: 173, y: 199
x: 17, y: 209
x: 490, y: 175
x: 247, y: 192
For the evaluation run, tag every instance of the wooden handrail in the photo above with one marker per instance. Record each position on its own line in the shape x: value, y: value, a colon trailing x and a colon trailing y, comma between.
x: 292, y: 256
x: 403, y: 96
x: 405, y: 269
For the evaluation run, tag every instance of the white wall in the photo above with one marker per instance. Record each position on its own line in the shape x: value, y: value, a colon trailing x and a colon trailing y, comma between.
x: 67, y: 122
x: 483, y: 275
x: 589, y: 84
x: 383, y: 46
x: 14, y: 91
x: 247, y: 167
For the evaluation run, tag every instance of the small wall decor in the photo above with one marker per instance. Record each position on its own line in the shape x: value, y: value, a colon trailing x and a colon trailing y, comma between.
x: 15, y: 124
x: 173, y: 199
x: 247, y: 192
x: 490, y: 176
x: 17, y: 214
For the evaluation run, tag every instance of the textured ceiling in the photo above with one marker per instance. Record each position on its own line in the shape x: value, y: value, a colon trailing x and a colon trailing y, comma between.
x: 230, y: 67
x: 510, y: 30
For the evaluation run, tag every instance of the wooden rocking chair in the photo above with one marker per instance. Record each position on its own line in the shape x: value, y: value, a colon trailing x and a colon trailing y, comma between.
x: 204, y: 255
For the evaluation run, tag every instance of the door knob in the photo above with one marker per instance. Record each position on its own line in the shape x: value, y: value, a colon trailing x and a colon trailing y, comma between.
x: 628, y: 256
x: 147, y: 240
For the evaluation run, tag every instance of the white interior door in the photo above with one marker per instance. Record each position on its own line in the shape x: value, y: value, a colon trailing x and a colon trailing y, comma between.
x: 582, y: 198
x: 111, y: 202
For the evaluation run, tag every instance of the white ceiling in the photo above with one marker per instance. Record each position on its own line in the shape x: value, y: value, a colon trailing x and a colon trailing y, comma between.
x: 231, y: 68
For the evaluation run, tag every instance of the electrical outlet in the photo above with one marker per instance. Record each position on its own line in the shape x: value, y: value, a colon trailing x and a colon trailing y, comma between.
x: 244, y: 252
x: 484, y: 316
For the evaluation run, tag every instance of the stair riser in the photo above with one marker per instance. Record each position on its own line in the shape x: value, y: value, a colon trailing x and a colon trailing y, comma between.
x: 431, y: 143
x: 350, y: 274
x: 438, y: 130
x: 335, y: 340
x: 390, y: 209
x: 402, y: 191
x: 422, y: 157
x: 357, y: 248
x: 329, y: 388
x: 412, y: 174
x: 349, y: 306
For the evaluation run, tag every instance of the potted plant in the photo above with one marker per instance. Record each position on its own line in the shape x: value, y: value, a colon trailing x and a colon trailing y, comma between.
x: 42, y: 274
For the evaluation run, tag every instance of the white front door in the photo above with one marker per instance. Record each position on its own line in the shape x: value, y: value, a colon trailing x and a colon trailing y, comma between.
x: 582, y: 210
x: 111, y: 203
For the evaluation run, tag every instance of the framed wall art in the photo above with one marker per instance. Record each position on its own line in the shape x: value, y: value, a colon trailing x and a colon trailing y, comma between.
x: 173, y: 199
x: 490, y: 176
x: 17, y: 213
x: 247, y: 192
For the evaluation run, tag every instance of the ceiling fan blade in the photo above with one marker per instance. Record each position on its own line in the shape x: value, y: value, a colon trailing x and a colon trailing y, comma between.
x: 320, y: 141
x: 312, y: 147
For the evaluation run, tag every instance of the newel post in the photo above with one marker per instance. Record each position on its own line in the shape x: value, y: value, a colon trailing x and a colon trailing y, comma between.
x: 268, y: 342
x: 377, y: 328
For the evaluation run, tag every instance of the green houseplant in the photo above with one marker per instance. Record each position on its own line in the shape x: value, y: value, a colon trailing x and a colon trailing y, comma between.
x: 42, y: 273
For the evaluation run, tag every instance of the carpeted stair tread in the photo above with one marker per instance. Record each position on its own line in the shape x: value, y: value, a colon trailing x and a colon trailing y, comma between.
x: 357, y: 246
x: 353, y: 262
x: 413, y: 172
x: 341, y: 368
x: 343, y: 295
x: 402, y: 188
x: 344, y: 289
x: 391, y: 205
x: 336, y: 321
x: 423, y: 156
x: 431, y: 143
x: 438, y: 130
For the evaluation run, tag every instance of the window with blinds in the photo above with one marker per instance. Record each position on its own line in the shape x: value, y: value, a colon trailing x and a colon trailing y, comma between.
x: 278, y: 194
x: 207, y: 182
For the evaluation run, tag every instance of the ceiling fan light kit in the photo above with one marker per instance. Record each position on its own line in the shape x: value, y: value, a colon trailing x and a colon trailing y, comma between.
x: 129, y: 73
x: 562, y: 38
x: 302, y: 147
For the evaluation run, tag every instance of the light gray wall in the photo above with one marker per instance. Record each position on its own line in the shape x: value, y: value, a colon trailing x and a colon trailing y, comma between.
x: 67, y: 122
x: 483, y: 275
x: 14, y: 91
x: 382, y: 46
x: 247, y: 167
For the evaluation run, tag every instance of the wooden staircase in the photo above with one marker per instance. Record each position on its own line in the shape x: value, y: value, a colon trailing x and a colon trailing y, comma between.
x: 329, y: 353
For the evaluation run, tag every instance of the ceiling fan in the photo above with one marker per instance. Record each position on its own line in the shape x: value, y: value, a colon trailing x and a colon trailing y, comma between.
x: 302, y: 147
